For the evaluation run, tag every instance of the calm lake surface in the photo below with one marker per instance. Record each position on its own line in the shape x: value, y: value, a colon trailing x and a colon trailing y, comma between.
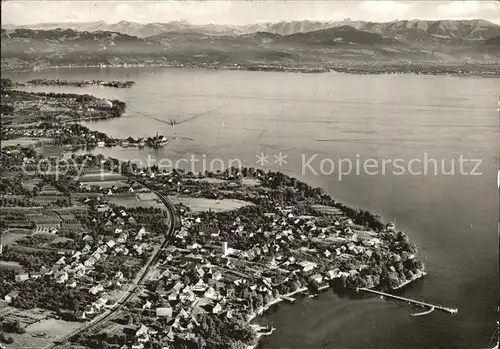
x: 452, y: 218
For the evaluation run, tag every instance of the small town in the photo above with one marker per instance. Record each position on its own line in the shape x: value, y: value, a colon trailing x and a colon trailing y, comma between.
x: 126, y: 257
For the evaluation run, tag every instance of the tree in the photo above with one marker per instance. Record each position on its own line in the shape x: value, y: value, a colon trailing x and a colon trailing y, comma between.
x: 12, y: 327
x: 276, y: 293
x: 258, y: 300
x: 200, y: 342
x: 393, y: 280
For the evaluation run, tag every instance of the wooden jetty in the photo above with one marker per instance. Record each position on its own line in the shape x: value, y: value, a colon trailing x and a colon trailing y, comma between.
x: 418, y: 303
x: 289, y: 299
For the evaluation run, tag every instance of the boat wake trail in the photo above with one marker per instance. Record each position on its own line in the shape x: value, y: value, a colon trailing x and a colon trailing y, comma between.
x: 423, y: 313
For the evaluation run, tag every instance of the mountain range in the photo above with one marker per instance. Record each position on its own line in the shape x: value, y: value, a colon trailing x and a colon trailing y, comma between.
x: 405, y: 30
x: 299, y: 43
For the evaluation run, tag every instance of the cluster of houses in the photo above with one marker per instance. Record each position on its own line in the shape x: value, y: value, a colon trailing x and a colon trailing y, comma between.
x: 214, y: 278
x: 75, y: 269
x: 225, y: 269
x: 48, y: 136
x: 195, y: 287
x: 35, y: 132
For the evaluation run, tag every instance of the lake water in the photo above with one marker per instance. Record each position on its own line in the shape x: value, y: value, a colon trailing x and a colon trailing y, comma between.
x: 452, y: 218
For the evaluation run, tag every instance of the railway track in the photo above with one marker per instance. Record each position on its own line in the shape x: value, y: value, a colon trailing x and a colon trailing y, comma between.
x: 98, y: 323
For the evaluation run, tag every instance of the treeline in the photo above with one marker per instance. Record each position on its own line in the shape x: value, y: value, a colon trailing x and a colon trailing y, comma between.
x: 362, y: 217
x: 32, y: 260
x: 295, y: 190
x: 112, y: 265
x: 9, y: 326
x: 223, y: 333
x: 46, y: 293
x: 6, y: 109
x: 7, y: 84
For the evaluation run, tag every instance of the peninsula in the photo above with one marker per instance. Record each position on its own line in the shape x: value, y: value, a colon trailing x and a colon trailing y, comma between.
x: 119, y: 255
x: 80, y: 83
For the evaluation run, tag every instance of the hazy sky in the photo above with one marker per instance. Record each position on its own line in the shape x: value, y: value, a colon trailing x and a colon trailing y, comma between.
x: 241, y: 12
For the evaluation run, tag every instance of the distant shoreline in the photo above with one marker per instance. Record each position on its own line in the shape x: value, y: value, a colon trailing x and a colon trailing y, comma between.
x: 490, y: 70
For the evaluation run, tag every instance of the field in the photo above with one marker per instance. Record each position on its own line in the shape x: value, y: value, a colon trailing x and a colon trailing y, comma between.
x: 328, y: 209
x: 77, y: 196
x: 24, y: 141
x: 51, y: 150
x: 133, y: 200
x: 58, y: 239
x: 10, y: 236
x: 30, y: 184
x: 41, y: 328
x: 148, y: 196
x: 199, y: 204
x: 29, y: 124
x: 208, y: 180
x: 34, y: 249
x: 105, y: 183
x: 10, y: 265
x: 44, y: 332
x: 101, y: 176
x: 251, y: 182
x: 21, y: 209
x: 245, y: 181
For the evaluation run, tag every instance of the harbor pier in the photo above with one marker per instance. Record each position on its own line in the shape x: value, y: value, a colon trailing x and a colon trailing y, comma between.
x: 411, y: 301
